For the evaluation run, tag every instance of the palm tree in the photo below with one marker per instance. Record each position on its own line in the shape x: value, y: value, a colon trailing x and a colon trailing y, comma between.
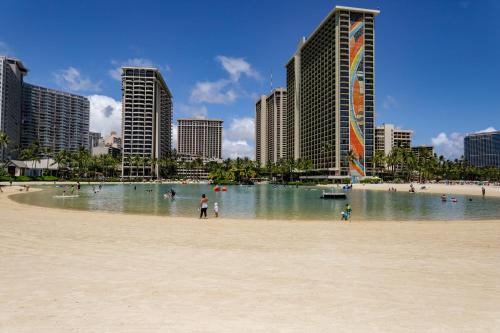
x: 81, y: 158
x: 379, y: 161
x: 48, y: 153
x: 4, y: 142
x: 136, y: 161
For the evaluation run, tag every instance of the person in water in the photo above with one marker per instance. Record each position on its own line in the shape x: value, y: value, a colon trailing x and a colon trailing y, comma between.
x: 172, y: 193
x: 203, y: 205
x: 483, y: 190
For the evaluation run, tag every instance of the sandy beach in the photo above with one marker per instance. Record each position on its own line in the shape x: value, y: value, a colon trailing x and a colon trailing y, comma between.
x: 76, y: 271
x: 491, y: 191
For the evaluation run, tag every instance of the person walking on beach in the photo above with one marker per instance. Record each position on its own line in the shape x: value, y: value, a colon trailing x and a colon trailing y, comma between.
x: 203, y: 205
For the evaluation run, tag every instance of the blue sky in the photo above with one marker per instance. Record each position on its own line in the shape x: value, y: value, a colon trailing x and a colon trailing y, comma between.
x: 437, y: 62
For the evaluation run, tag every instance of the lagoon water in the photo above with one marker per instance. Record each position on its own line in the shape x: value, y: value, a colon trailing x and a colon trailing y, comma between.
x: 266, y: 202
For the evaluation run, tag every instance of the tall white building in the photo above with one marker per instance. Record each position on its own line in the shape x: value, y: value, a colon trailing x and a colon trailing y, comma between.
x: 200, y: 138
x: 12, y: 72
x: 271, y: 127
x: 146, y: 120
x: 387, y: 137
x: 261, y: 130
x: 56, y: 120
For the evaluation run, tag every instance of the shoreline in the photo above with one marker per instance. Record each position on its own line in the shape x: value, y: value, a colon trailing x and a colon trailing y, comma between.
x: 20, y: 190
x: 449, y: 189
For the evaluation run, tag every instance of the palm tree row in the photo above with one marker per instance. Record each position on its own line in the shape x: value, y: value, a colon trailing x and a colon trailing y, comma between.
x: 403, y: 164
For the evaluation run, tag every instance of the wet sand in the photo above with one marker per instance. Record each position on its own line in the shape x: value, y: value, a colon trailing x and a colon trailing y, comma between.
x: 74, y: 271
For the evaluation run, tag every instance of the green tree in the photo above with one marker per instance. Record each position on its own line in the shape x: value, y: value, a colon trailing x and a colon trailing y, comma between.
x: 4, y: 142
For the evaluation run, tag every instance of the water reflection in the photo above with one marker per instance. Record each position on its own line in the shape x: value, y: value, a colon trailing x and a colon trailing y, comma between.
x: 266, y: 202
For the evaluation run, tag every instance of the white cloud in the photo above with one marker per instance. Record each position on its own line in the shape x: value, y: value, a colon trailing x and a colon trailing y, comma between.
x: 239, y: 148
x: 226, y: 90
x: 237, y: 66
x: 216, y: 92
x: 71, y: 79
x: 192, y: 111
x: 105, y: 114
x: 389, y: 102
x: 487, y: 130
x: 451, y: 146
x: 116, y: 73
x: 242, y: 128
x: 238, y: 139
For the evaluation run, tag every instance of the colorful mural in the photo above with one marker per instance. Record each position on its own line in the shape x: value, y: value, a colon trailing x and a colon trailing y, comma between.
x: 357, y: 94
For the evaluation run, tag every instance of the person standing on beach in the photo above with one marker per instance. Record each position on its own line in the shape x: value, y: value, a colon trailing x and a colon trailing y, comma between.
x: 216, y: 209
x: 483, y: 190
x: 203, y: 205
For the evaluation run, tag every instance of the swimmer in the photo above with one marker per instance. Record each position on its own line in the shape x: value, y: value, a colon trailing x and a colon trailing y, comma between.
x: 443, y: 197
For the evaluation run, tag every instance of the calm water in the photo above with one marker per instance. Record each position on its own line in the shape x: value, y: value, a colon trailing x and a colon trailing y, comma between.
x: 267, y: 202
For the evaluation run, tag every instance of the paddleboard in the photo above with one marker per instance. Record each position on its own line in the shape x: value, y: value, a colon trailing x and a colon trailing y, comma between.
x: 66, y: 196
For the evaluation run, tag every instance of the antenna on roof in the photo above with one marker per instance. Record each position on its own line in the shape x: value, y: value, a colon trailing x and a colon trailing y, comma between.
x: 271, y: 80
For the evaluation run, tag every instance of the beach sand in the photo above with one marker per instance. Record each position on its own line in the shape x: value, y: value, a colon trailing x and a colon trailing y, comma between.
x: 467, y: 189
x: 75, y: 271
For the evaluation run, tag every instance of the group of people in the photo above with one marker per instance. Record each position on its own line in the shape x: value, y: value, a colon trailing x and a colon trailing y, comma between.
x: 204, y: 207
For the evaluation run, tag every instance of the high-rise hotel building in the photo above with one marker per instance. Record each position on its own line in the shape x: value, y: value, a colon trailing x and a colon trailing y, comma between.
x: 271, y: 136
x: 12, y: 72
x: 483, y: 149
x: 331, y: 94
x: 200, y: 138
x: 146, y: 120
x: 56, y: 120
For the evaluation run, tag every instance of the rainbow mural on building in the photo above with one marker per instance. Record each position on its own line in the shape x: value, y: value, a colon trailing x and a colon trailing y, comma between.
x: 357, y: 94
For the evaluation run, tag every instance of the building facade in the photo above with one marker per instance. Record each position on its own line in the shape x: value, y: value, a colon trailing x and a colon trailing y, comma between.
x: 200, y: 138
x: 388, y: 137
x: 94, y: 139
x: 12, y: 72
x: 331, y: 94
x: 422, y: 151
x: 56, y: 120
x: 261, y: 130
x: 113, y: 140
x: 271, y: 127
x: 483, y: 149
x: 146, y: 120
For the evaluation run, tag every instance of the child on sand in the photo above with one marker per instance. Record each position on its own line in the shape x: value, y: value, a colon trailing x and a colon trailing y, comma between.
x: 216, y: 209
